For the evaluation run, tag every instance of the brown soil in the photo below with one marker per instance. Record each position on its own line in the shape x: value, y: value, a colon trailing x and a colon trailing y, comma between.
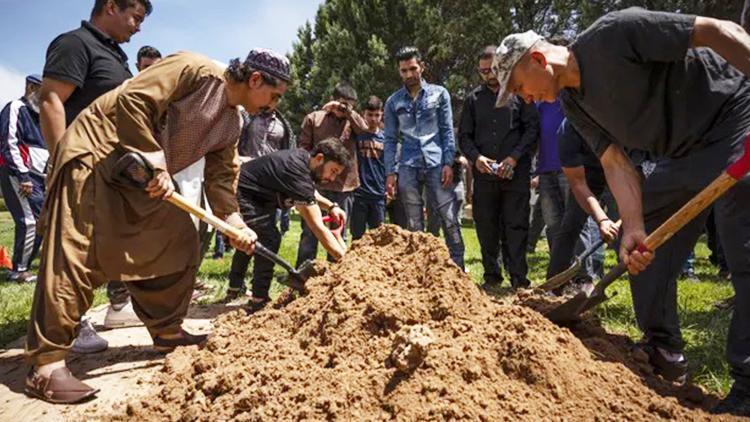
x: 397, y: 331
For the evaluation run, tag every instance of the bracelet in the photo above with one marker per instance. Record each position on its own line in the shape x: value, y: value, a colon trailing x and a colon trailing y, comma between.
x: 333, y: 205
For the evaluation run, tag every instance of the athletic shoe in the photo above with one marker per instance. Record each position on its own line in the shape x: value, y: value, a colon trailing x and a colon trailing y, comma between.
x: 121, y: 316
x: 88, y: 341
x: 736, y: 403
x: 22, y: 277
x: 670, y: 366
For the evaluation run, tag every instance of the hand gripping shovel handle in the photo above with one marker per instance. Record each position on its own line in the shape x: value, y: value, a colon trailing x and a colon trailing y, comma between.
x: 569, y: 311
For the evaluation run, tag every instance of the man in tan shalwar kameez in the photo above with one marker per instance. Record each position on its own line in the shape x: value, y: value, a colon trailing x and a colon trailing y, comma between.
x: 97, y: 229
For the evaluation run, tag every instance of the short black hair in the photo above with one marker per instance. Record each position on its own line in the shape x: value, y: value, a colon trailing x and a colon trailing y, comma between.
x: 147, y: 52
x: 333, y: 150
x: 488, y: 52
x: 374, y: 103
x: 122, y: 4
x: 408, y: 53
x: 345, y: 91
x: 240, y: 72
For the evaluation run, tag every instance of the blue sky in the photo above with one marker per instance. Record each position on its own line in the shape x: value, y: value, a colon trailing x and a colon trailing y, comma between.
x: 220, y: 29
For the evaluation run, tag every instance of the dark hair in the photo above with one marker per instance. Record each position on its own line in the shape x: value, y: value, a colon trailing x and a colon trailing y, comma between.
x: 374, y: 103
x: 147, y: 52
x: 487, y: 52
x: 240, y: 72
x: 345, y: 91
x: 333, y: 150
x: 122, y: 4
x: 408, y: 53
x: 560, y: 40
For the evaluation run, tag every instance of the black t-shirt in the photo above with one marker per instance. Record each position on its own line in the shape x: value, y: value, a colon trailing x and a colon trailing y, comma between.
x: 643, y: 88
x: 88, y: 59
x: 573, y: 149
x: 280, y: 179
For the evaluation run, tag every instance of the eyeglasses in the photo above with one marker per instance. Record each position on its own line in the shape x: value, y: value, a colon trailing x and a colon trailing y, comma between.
x: 486, y: 71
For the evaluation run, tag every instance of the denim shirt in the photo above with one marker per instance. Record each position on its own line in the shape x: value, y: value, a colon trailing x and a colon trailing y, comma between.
x: 424, y: 126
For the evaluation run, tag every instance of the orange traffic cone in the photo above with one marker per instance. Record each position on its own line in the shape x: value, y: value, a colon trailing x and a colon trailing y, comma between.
x: 5, y: 259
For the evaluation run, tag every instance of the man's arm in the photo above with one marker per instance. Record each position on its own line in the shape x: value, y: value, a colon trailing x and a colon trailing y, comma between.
x: 445, y: 129
x: 467, y: 131
x: 529, y: 131
x: 726, y: 38
x: 625, y: 184
x: 52, y: 97
x: 577, y: 180
x: 314, y: 219
x: 389, y: 134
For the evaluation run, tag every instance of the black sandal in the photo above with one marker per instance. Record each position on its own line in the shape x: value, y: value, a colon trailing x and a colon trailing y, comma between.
x: 166, y: 345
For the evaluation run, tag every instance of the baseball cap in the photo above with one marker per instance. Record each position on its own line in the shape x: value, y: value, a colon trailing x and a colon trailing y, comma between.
x: 34, y: 78
x: 507, y: 55
x: 271, y: 62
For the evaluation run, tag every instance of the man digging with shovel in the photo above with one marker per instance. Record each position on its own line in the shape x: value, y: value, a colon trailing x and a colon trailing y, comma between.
x: 98, y: 228
x: 675, y: 86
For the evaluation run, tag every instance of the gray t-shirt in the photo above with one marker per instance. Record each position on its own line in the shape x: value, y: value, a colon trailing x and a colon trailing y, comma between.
x: 643, y: 88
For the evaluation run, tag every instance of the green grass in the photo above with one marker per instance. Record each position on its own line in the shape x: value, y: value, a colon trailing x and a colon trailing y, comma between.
x: 704, y: 328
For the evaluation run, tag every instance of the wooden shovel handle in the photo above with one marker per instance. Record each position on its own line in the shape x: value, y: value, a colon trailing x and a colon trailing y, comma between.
x: 700, y: 202
x: 219, y: 224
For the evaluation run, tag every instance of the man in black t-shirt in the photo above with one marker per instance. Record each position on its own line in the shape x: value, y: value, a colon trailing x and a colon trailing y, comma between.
x: 82, y: 65
x: 674, y: 86
x: 285, y: 179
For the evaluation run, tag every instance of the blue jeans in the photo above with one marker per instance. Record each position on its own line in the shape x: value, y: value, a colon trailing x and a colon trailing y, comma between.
x: 411, y: 180
x: 366, y: 214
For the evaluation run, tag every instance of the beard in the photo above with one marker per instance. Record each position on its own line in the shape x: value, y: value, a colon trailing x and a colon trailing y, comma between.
x: 317, y: 174
x: 492, y: 83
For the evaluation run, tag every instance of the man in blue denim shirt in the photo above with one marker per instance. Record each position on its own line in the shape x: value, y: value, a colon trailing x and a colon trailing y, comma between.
x: 420, y: 115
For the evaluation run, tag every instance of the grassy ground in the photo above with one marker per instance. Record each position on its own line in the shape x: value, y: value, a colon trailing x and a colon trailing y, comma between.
x: 704, y: 328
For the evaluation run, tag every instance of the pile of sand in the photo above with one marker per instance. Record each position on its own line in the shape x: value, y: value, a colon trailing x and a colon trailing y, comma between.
x: 397, y: 331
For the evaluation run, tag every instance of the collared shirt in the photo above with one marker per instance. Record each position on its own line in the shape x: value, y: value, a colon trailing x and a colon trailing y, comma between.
x: 644, y: 88
x: 497, y: 133
x: 321, y: 125
x: 265, y: 133
x: 424, y: 125
x: 88, y: 59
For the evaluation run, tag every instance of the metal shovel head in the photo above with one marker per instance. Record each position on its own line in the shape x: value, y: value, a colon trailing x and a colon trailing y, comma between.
x: 296, y: 280
x: 133, y: 169
x: 560, y: 279
x: 570, y: 312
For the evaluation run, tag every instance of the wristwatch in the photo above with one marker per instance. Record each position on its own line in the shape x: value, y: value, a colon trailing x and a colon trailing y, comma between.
x: 333, y: 205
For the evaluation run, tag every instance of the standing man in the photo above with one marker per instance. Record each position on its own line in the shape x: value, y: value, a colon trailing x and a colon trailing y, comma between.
x: 337, y: 119
x: 368, y: 211
x: 23, y: 162
x: 82, y: 65
x: 682, y: 93
x: 420, y: 115
x: 490, y: 136
x: 91, y: 214
x: 146, y: 57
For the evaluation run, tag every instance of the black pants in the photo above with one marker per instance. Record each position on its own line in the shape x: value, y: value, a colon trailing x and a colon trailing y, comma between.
x: 308, y: 243
x: 263, y: 222
x: 396, y: 213
x: 670, y: 186
x: 566, y: 235
x: 501, y: 214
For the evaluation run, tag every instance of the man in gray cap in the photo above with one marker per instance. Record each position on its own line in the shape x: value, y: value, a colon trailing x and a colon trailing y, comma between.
x: 675, y: 86
x: 23, y: 162
x: 99, y: 228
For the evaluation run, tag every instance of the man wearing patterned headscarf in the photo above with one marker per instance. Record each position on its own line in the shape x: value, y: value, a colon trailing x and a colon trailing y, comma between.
x: 183, y: 109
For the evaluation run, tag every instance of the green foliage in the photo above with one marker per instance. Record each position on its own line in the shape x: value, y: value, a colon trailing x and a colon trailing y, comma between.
x: 355, y: 41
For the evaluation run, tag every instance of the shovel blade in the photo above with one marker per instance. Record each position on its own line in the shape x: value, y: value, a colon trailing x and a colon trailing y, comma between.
x: 560, y: 279
x: 296, y: 279
x: 570, y: 312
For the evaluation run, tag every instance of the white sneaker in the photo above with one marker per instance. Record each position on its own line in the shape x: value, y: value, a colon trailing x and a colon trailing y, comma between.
x: 124, y: 317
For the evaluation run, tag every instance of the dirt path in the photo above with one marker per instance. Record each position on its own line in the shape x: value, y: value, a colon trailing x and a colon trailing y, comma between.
x: 122, y: 371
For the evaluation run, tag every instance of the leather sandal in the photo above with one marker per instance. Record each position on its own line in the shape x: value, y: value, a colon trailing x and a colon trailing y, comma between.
x: 60, y: 388
x: 166, y: 345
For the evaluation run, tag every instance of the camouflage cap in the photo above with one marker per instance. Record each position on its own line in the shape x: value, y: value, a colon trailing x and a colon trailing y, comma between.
x: 509, y: 52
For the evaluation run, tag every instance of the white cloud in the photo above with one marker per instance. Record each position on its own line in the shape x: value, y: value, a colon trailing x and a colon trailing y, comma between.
x: 12, y: 84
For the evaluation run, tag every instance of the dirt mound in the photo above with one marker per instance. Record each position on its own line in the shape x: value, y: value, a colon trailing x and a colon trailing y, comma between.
x: 397, y: 331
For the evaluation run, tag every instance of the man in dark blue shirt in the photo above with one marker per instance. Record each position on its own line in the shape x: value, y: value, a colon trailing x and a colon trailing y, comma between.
x: 368, y: 211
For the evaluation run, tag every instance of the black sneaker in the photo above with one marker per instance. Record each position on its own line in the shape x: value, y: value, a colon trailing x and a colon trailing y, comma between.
x: 520, y: 284
x: 232, y: 295
x: 667, y: 369
x: 254, y: 305
x: 736, y: 403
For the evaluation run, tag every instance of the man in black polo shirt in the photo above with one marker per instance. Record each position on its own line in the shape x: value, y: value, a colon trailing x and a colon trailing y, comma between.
x: 500, y: 136
x: 674, y: 86
x: 285, y: 179
x: 82, y: 65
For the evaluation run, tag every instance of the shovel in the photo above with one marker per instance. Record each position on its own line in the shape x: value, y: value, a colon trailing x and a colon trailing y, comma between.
x: 563, y: 277
x: 570, y: 311
x: 135, y: 170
